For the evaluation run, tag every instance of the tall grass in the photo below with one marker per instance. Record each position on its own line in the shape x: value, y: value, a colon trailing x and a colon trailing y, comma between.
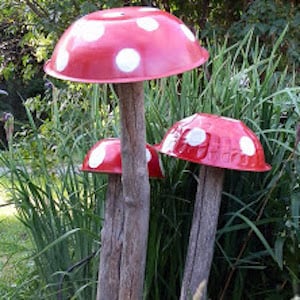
x: 61, y: 206
x: 237, y: 82
x: 258, y: 225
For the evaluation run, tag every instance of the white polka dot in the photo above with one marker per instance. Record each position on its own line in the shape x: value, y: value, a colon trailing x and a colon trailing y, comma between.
x: 195, y: 137
x: 89, y: 31
x: 97, y: 156
x: 147, y: 23
x: 188, y: 33
x: 148, y: 155
x: 149, y: 9
x: 247, y: 146
x: 62, y: 59
x: 128, y: 60
x: 113, y: 14
x: 169, y: 142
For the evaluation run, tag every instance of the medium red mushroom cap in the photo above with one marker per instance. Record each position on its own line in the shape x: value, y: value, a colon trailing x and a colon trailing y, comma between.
x: 105, y: 157
x: 125, y: 45
x: 215, y: 141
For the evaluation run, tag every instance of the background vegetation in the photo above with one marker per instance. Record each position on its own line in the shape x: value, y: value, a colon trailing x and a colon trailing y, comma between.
x: 251, y: 75
x: 15, y: 249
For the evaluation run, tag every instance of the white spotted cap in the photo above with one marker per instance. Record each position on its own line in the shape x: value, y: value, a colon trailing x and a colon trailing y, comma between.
x: 195, y: 137
x: 105, y: 157
x: 215, y: 141
x: 124, y: 45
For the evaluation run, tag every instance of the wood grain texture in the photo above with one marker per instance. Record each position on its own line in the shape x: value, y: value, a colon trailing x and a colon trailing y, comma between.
x: 136, y: 190
x: 111, y: 241
x: 203, y: 231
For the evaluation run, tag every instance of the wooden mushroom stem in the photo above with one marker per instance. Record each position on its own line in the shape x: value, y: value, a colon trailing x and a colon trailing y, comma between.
x: 136, y: 190
x: 111, y: 241
x: 203, y: 230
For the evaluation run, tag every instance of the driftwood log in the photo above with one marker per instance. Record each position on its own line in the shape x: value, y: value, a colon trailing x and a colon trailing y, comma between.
x: 111, y: 241
x: 136, y: 190
x: 125, y: 233
x: 203, y: 231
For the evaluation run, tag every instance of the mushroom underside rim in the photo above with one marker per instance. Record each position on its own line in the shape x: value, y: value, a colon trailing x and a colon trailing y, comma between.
x: 127, y: 79
x: 109, y: 172
x: 266, y: 167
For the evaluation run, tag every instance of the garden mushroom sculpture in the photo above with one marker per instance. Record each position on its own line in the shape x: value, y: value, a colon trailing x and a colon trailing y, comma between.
x: 127, y: 46
x: 217, y: 143
x: 105, y: 157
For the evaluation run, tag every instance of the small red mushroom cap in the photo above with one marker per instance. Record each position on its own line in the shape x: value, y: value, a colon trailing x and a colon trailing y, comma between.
x: 125, y: 45
x: 105, y: 157
x: 215, y: 141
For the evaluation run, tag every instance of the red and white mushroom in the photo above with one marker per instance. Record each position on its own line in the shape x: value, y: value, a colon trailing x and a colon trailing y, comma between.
x: 105, y: 157
x: 126, y: 46
x: 217, y: 143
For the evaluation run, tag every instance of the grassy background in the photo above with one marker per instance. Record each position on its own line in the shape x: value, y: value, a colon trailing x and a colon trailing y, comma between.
x: 15, y: 248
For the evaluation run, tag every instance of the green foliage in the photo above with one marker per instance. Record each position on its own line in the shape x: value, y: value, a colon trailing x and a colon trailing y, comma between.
x: 238, y: 82
x: 61, y: 207
x: 29, y: 31
x: 16, y: 268
x: 269, y: 18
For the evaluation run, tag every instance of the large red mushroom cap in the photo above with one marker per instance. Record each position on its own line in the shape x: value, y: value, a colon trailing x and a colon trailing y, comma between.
x: 215, y: 141
x: 105, y: 157
x: 125, y: 45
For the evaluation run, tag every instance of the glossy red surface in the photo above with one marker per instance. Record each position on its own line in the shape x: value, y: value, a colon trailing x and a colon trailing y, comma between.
x: 215, y: 141
x: 105, y: 157
x: 124, y: 45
